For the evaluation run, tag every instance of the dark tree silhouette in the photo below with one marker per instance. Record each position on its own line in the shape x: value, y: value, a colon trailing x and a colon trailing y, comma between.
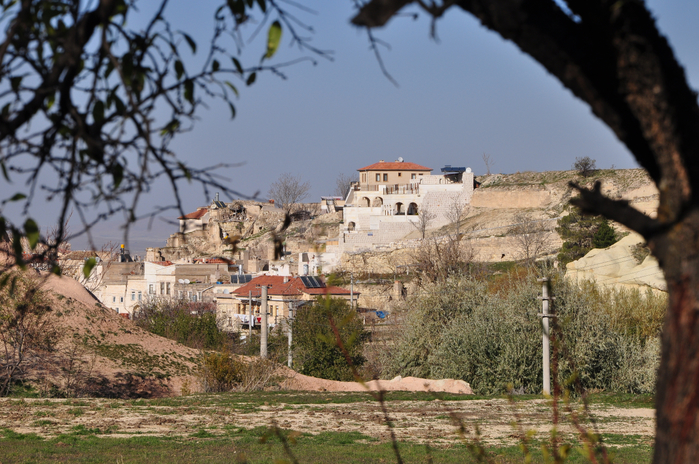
x: 611, y: 55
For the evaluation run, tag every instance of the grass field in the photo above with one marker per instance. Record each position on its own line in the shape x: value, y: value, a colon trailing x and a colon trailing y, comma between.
x: 333, y: 428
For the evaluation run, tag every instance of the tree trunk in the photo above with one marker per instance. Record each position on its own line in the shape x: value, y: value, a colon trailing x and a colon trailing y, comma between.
x: 677, y: 393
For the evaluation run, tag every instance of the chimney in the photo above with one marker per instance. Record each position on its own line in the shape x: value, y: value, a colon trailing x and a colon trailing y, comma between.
x: 286, y: 279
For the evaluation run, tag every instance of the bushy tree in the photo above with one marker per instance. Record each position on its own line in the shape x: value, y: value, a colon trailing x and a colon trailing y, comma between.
x: 578, y: 233
x: 319, y: 329
x: 605, y: 236
x: 585, y: 166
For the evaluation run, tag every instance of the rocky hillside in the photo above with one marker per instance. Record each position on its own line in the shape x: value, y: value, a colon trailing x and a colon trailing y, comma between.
x: 491, y: 225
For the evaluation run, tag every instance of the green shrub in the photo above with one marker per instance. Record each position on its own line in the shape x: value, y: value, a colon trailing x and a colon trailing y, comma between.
x: 192, y: 324
x: 220, y: 372
x: 315, y: 344
x: 608, y: 339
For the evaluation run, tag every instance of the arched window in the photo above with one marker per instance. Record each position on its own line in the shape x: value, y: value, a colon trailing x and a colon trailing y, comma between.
x: 351, y: 225
x: 378, y: 201
x: 412, y: 209
x: 366, y: 202
x: 399, y: 208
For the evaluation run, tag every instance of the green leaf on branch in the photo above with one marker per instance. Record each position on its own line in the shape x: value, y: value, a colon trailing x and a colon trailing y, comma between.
x: 190, y: 41
x: 4, y: 171
x: 189, y: 91
x: 187, y: 173
x: 179, y: 69
x: 235, y: 91
x: 274, y: 36
x: 171, y: 127
x: 232, y: 110
x: 17, y: 197
x: 87, y: 268
x: 117, y: 171
x: 31, y: 230
x: 237, y: 65
x: 251, y: 79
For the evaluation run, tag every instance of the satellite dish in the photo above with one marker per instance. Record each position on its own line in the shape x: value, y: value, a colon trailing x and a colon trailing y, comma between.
x: 181, y: 281
x: 400, y: 159
x: 226, y: 291
x: 186, y: 281
x: 468, y: 169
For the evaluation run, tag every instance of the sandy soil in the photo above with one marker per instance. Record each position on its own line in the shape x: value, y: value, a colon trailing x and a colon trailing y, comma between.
x: 433, y: 422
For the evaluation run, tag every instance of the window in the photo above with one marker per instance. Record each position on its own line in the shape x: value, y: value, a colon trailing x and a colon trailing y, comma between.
x: 400, y: 174
x: 133, y: 296
x: 162, y: 288
x: 113, y: 299
x: 151, y: 289
x: 364, y: 177
x: 139, y: 296
x: 167, y: 289
x: 121, y: 299
x: 385, y: 177
x: 412, y: 176
x: 378, y: 177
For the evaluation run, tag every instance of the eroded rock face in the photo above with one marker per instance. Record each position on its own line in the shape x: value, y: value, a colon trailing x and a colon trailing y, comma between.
x: 619, y: 266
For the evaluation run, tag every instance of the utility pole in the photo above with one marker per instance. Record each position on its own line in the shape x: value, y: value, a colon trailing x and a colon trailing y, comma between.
x: 288, y: 328
x: 351, y: 291
x: 263, y: 324
x: 250, y: 316
x: 545, y: 324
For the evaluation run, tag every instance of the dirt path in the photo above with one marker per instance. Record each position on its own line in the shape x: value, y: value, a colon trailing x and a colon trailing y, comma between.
x: 431, y: 422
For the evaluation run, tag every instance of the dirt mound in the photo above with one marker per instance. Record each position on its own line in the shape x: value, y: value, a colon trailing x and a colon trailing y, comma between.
x: 100, y: 353
x: 296, y: 381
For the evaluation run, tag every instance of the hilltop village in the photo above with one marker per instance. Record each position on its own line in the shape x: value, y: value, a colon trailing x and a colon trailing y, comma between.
x: 224, y: 252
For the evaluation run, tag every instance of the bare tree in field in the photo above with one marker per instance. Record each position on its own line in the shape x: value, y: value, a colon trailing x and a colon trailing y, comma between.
x: 288, y: 191
x: 455, y: 209
x: 489, y: 162
x: 531, y: 237
x: 424, y: 219
x: 611, y: 55
x: 343, y: 183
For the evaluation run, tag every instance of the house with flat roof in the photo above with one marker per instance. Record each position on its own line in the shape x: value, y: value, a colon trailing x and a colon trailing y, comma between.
x: 385, y: 204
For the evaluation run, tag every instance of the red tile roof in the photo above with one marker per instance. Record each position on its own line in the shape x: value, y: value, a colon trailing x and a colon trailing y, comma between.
x: 329, y: 290
x: 163, y: 263
x: 394, y: 166
x: 195, y: 215
x: 293, y: 287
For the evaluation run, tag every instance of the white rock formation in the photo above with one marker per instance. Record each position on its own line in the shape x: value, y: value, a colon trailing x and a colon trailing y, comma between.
x: 616, y: 266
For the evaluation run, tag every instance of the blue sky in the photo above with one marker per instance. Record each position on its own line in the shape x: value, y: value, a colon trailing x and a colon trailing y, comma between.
x: 468, y: 94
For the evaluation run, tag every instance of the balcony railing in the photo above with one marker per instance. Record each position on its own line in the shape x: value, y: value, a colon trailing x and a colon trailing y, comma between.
x: 390, y: 189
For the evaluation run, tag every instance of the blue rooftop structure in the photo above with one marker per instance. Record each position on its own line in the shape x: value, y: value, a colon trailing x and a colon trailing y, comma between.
x: 450, y: 168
